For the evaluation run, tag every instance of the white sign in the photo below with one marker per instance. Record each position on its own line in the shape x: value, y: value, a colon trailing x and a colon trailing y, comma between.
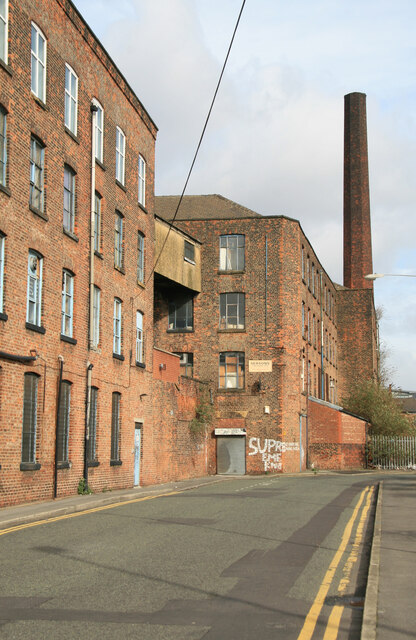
x: 230, y: 432
x: 259, y: 366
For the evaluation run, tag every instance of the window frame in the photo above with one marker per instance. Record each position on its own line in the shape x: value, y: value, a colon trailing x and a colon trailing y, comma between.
x: 96, y: 316
x: 139, y: 337
x: 226, y: 252
x: 115, y: 426
x: 92, y: 426
x: 99, y: 131
x: 36, y: 300
x: 117, y: 327
x: 71, y: 101
x: 30, y: 417
x: 64, y: 411
x: 37, y: 175
x: 186, y: 363
x: 189, y: 251
x: 118, y: 241
x: 3, y: 147
x: 2, y: 254
x: 70, y: 189
x: 142, y: 181
x: 140, y: 257
x: 174, y: 307
x: 225, y: 316
x: 227, y: 377
x: 38, y: 63
x: 97, y: 222
x: 67, y: 307
x: 4, y: 20
x: 120, y: 156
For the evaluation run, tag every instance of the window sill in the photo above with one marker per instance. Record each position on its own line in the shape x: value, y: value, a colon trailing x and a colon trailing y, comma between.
x: 141, y: 284
x: 4, y: 317
x: 180, y: 330
x: 70, y: 234
x: 5, y: 190
x: 239, y: 390
x: 63, y: 465
x: 39, y: 213
x: 121, y: 185
x: 71, y: 135
x: 120, y: 270
x: 142, y: 207
x: 231, y: 330
x: 141, y: 365
x: 118, y: 356
x: 93, y: 463
x: 39, y: 102
x: 100, y: 164
x: 116, y: 463
x: 6, y: 67
x: 222, y: 272
x: 189, y: 260
x: 65, y: 338
x: 98, y: 254
x: 35, y: 327
x: 29, y: 466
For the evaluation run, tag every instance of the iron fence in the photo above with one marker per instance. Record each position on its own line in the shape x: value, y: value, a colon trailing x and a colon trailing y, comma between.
x: 392, y: 452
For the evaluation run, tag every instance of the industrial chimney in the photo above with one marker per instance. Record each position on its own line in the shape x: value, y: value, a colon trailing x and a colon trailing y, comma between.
x: 357, y: 225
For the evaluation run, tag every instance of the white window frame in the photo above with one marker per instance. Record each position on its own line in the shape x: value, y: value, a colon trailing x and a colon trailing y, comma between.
x: 97, y: 222
x: 142, y: 181
x: 2, y: 245
x: 140, y: 257
x: 71, y: 99
x: 99, y: 131
x: 37, y: 175
x: 120, y: 155
x: 227, y: 312
x: 69, y: 189
x: 118, y: 241
x: 34, y: 288
x: 67, y: 304
x: 4, y: 28
x: 3, y: 146
x: 38, y: 63
x: 117, y: 326
x: 96, y: 316
x: 139, y: 338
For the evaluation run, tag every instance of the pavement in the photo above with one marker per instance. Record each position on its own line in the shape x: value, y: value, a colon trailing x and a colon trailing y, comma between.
x: 389, y: 611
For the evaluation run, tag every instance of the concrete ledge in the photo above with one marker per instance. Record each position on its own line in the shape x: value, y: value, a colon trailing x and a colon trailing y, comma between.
x: 369, y: 625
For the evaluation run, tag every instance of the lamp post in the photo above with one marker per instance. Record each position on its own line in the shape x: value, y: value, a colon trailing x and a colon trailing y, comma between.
x: 374, y: 276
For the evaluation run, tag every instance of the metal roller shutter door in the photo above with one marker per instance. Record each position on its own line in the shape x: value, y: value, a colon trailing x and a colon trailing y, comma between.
x: 231, y: 455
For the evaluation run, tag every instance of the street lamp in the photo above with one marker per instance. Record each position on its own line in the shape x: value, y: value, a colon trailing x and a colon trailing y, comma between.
x: 374, y: 276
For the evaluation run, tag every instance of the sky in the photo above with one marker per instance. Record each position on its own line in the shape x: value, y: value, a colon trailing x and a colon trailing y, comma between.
x: 274, y: 142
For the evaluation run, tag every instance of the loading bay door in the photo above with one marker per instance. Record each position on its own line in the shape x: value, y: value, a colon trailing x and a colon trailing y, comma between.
x: 231, y: 455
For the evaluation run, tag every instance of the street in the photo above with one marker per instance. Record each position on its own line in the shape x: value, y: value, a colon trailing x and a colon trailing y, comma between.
x: 241, y: 558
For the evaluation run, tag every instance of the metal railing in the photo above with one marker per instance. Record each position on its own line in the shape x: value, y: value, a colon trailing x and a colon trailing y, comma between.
x: 391, y: 452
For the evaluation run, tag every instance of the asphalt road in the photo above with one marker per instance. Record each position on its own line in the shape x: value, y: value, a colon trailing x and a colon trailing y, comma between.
x: 242, y: 559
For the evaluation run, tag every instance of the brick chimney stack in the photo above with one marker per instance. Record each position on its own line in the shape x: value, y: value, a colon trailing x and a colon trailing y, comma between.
x: 357, y: 225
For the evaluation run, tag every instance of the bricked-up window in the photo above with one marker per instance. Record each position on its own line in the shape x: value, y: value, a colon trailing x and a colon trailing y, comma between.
x: 62, y: 435
x: 189, y: 251
x: 232, y: 311
x: 37, y: 169
x: 120, y: 155
x: 118, y: 241
x: 92, y: 426
x: 186, y: 364
x: 142, y: 181
x: 117, y: 327
x: 30, y: 406
x: 96, y: 317
x: 140, y: 257
x: 34, y: 289
x: 181, y: 314
x: 4, y: 21
x: 231, y: 370
x: 71, y: 99
x: 99, y: 131
x: 139, y: 338
x: 69, y: 199
x: 67, y: 303
x: 97, y: 222
x: 115, y: 427
x: 38, y: 63
x: 3, y: 145
x: 232, y: 249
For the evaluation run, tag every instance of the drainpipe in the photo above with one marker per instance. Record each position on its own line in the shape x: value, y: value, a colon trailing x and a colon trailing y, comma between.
x: 58, y: 406
x: 87, y: 423
x: 94, y: 110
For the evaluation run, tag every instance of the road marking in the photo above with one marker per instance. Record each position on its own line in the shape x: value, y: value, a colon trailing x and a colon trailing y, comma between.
x: 332, y: 627
x: 312, y: 617
x: 27, y: 525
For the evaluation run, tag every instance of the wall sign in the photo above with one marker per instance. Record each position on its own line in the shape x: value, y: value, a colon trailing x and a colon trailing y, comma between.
x: 259, y: 366
x: 230, y: 432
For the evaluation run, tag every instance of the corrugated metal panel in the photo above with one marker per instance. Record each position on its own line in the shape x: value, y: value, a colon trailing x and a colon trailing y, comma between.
x: 231, y: 455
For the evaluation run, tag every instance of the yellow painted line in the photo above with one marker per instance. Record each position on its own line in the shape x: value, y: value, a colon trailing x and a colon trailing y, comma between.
x: 28, y: 525
x: 334, y: 620
x: 312, y: 617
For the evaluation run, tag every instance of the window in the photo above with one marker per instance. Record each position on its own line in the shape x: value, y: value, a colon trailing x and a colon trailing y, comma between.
x: 38, y: 65
x: 97, y: 222
x: 96, y: 317
x: 303, y: 321
x: 99, y: 131
x: 118, y: 241
x: 181, y: 313
x: 3, y: 145
x: 30, y: 405
x: 115, y: 427
x: 189, y: 251
x: 71, y: 99
x: 232, y: 253
x: 139, y: 338
x: 120, y: 155
x: 2, y: 243
x: 117, y: 327
x: 313, y: 278
x: 303, y: 262
x: 187, y: 364
x: 92, y: 426
x: 67, y: 303
x: 62, y: 435
x: 140, y: 257
x: 69, y: 199
x: 34, y: 289
x: 37, y: 165
x: 231, y: 373
x: 3, y: 30
x: 142, y: 181
x: 232, y: 311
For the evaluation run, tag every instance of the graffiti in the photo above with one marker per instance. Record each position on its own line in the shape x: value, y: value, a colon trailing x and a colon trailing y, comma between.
x: 271, y: 451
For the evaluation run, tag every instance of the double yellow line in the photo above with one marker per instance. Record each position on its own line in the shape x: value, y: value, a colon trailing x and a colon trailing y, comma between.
x: 334, y: 619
